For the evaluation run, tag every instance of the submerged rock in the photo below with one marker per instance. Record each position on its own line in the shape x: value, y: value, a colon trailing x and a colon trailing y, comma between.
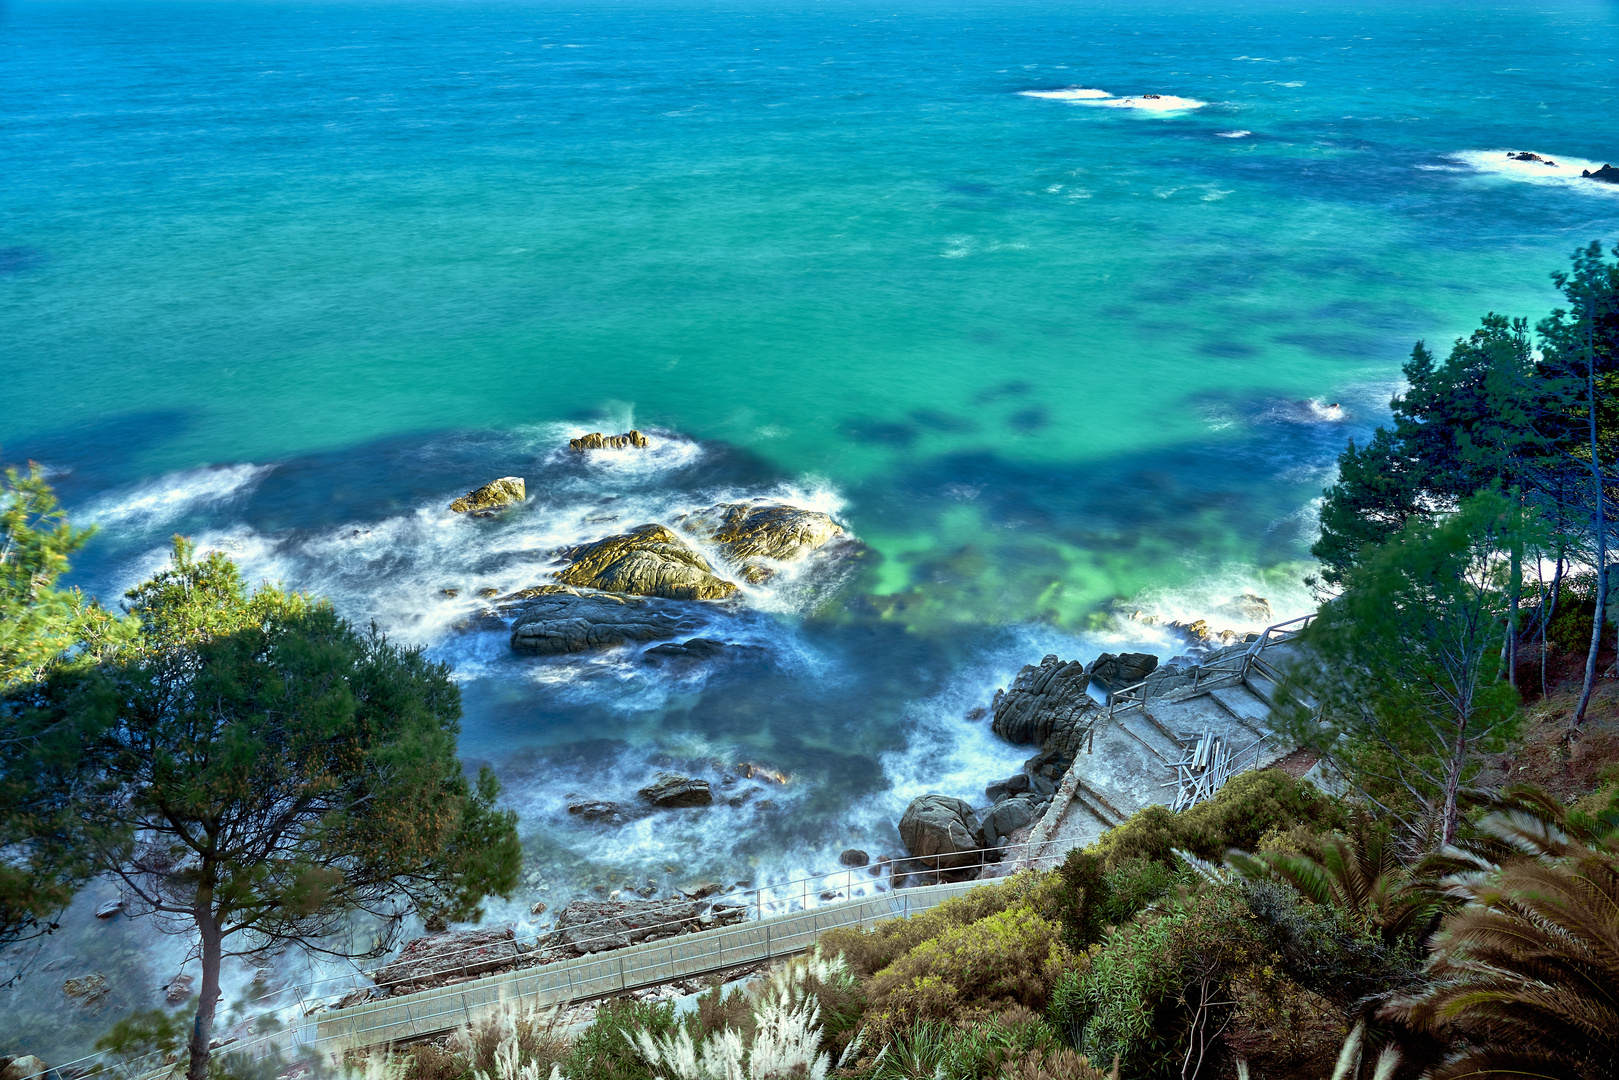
x: 1043, y: 701
x: 88, y: 989
x: 671, y: 791
x: 568, y: 621
x: 751, y: 535
x: 1247, y: 608
x: 591, y: 926
x: 492, y: 498
x: 178, y: 990
x: 609, y: 813
x: 648, y: 561
x: 631, y: 439
x: 941, y: 830
x: 427, y: 961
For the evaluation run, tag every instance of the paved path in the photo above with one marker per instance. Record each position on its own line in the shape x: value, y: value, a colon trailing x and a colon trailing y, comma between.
x: 431, y: 1012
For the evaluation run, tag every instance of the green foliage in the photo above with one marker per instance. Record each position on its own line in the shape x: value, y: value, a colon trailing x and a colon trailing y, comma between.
x: 603, y: 1051
x: 1017, y: 1044
x: 1012, y: 957
x: 1153, y: 984
x: 1244, y: 810
x: 142, y: 1035
x: 1406, y: 665
x: 1133, y: 884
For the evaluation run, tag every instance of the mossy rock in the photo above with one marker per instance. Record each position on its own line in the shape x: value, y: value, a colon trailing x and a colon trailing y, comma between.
x: 631, y: 439
x: 492, y: 498
x: 753, y: 535
x: 648, y: 561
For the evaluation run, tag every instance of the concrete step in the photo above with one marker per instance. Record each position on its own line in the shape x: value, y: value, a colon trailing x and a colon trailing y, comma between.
x: 1262, y: 688
x: 1245, y: 707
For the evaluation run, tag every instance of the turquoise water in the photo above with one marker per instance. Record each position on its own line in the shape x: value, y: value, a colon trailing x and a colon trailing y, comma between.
x: 289, y: 277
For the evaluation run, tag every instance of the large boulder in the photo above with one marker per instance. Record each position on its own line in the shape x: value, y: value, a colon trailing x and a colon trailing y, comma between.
x: 753, y: 535
x: 492, y: 498
x: 23, y: 1068
x: 1607, y: 174
x: 1125, y: 669
x: 590, y: 926
x: 1043, y: 702
x: 428, y: 961
x: 569, y: 621
x: 1003, y: 818
x: 942, y: 831
x: 631, y: 439
x: 648, y: 561
x: 670, y: 791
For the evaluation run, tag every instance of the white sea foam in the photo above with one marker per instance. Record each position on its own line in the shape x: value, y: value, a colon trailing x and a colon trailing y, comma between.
x: 1216, y: 598
x: 157, y: 504
x: 1163, y: 103
x: 1238, y: 134
x: 1564, y: 172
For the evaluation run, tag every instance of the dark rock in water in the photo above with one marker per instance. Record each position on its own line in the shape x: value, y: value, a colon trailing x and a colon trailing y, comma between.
x: 705, y: 890
x: 609, y: 813
x: 569, y: 621
x: 87, y: 989
x: 1524, y: 155
x: 178, y: 990
x: 1607, y: 174
x: 1017, y: 783
x: 670, y: 791
x: 427, y: 961
x: 492, y: 498
x: 700, y: 649
x: 647, y: 561
x: 435, y: 923
x: 591, y: 926
x: 1002, y: 819
x: 854, y: 857
x: 1126, y: 669
x: 597, y: 441
x: 942, y: 831
x: 1045, y: 705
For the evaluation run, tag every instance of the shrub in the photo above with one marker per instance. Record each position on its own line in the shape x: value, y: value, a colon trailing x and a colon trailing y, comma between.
x: 604, y: 1050
x: 1156, y: 989
x: 1133, y: 884
x: 1250, y: 805
x: 868, y: 951
x: 1012, y: 957
x: 934, y: 1050
x: 825, y: 981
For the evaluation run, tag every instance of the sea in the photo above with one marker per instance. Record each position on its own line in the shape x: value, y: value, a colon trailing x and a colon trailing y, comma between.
x: 1062, y: 309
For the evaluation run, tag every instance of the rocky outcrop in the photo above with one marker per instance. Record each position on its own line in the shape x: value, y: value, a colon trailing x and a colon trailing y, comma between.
x: 1247, y: 608
x: 1607, y: 174
x: 1009, y: 815
x: 427, y: 961
x: 1524, y: 155
x: 492, y: 498
x: 648, y: 561
x: 178, y: 990
x: 854, y: 857
x: 600, y: 810
x: 941, y: 831
x: 591, y: 926
x: 23, y: 1068
x: 670, y: 791
x: 87, y: 989
x: 568, y: 621
x: 1042, y: 701
x: 631, y: 439
x: 752, y: 535
x: 1125, y: 669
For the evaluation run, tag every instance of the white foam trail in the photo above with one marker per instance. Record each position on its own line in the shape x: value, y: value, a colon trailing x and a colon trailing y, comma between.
x: 1564, y: 172
x: 1159, y: 103
x: 1233, y: 134
x: 1216, y: 598
x: 1072, y: 93
x: 158, y: 503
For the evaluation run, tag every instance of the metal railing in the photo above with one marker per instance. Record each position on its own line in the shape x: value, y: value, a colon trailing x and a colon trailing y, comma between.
x: 1234, y: 668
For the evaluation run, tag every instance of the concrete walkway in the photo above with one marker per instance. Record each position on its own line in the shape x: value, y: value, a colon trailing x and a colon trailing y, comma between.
x: 432, y: 1012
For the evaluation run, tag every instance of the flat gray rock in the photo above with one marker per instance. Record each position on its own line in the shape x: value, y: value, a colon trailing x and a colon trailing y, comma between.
x: 591, y: 926
x: 569, y: 621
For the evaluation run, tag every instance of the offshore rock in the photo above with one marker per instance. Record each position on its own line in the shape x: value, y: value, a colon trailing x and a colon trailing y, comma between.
x: 648, y: 561
x: 670, y: 791
x: 942, y: 831
x: 178, y: 990
x: 492, y: 498
x: 88, y: 989
x: 1043, y: 701
x: 1126, y: 669
x: 1607, y: 174
x: 427, y: 961
x: 590, y: 926
x: 751, y: 535
x: 631, y: 439
x: 1247, y: 608
x: 568, y: 621
x: 609, y: 813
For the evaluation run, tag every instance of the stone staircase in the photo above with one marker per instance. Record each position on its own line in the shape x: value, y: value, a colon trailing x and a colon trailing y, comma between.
x: 1150, y: 728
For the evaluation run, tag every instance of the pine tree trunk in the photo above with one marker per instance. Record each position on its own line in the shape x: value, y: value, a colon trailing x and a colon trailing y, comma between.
x: 1511, y: 644
x: 202, y: 1032
x: 1602, y: 547
x: 1453, y: 786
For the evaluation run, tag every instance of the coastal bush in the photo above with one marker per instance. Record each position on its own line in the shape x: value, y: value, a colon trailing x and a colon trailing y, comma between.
x: 868, y: 951
x: 1156, y: 990
x: 1134, y: 884
x: 1250, y: 805
x: 605, y: 1050
x: 822, y: 979
x: 969, y: 972
x: 1005, y: 1045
